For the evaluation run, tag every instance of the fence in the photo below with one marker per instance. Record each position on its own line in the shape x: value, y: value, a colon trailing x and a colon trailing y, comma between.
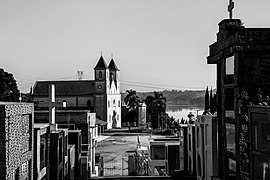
x: 116, y: 166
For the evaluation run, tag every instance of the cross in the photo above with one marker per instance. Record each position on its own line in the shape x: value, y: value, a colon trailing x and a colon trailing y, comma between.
x: 230, y: 8
x: 52, y: 104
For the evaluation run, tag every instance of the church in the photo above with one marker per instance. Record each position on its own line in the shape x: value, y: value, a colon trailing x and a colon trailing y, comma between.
x: 101, y: 95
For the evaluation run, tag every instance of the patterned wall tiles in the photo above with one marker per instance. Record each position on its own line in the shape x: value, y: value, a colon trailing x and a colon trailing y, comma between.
x: 16, y: 129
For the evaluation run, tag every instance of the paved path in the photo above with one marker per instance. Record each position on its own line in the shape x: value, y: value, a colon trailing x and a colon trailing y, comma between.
x: 115, y: 147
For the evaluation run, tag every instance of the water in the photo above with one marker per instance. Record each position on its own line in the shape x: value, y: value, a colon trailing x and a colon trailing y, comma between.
x: 182, y: 111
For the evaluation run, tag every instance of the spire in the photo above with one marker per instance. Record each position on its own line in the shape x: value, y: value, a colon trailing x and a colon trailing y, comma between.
x: 101, y: 64
x: 112, y: 65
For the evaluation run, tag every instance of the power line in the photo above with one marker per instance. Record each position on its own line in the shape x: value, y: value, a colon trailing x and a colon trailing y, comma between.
x: 124, y: 82
x: 140, y: 84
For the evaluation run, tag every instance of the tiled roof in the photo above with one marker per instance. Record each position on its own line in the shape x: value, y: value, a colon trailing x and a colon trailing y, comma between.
x: 65, y: 88
x: 101, y: 64
x: 113, y: 66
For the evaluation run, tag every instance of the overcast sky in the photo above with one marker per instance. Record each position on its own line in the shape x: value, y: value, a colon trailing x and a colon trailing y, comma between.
x: 157, y: 44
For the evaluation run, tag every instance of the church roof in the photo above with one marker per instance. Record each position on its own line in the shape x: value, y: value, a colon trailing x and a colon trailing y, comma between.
x: 113, y: 66
x: 101, y: 64
x: 65, y: 88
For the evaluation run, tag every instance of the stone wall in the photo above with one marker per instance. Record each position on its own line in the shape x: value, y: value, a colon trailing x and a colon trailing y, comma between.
x: 16, y: 137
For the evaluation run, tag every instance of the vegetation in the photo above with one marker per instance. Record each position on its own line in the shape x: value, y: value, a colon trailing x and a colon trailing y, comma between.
x: 132, y: 101
x: 8, y: 87
x: 156, y: 108
x: 156, y: 103
x: 174, y: 97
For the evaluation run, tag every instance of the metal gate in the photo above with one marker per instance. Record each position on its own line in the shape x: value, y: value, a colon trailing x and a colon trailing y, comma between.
x: 116, y: 166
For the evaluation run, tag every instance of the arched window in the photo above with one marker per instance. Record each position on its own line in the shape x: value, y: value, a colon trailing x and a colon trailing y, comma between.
x: 118, y: 103
x: 108, y: 103
x: 64, y: 103
x: 100, y: 74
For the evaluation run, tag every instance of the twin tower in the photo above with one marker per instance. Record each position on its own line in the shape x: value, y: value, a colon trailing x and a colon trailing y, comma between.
x: 107, y: 93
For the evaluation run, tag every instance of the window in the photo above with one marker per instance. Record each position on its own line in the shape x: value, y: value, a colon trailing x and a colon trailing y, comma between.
x: 110, y: 118
x: 99, y: 74
x: 64, y: 103
x: 114, y: 102
x: 230, y: 65
x: 229, y: 70
x: 118, y: 103
x: 108, y: 103
x: 117, y: 117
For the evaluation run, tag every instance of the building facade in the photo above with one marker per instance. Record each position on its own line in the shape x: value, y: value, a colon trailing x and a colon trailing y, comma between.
x: 101, y: 95
x: 242, y: 59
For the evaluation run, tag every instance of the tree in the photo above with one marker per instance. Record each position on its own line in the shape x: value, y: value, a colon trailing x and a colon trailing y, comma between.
x: 156, y: 107
x: 8, y: 87
x: 206, y: 102
x: 132, y: 101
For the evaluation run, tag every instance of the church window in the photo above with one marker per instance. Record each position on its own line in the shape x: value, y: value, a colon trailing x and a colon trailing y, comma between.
x: 100, y: 74
x: 118, y: 103
x: 108, y: 103
x: 64, y: 103
x: 114, y: 102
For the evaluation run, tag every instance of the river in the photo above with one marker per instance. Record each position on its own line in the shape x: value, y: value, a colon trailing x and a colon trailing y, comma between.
x: 182, y: 111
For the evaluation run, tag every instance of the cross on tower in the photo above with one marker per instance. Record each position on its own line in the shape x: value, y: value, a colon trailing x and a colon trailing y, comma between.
x: 230, y: 8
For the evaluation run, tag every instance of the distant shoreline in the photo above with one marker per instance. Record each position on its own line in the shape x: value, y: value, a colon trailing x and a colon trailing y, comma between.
x: 184, y: 105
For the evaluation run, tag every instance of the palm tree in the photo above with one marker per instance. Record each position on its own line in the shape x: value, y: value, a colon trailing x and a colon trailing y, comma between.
x: 156, y: 107
x: 132, y: 101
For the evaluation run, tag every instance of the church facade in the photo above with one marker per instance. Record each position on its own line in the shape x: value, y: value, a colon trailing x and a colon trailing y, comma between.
x: 101, y: 95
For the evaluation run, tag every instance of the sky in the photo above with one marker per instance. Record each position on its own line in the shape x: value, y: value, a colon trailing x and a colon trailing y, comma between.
x: 156, y: 44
